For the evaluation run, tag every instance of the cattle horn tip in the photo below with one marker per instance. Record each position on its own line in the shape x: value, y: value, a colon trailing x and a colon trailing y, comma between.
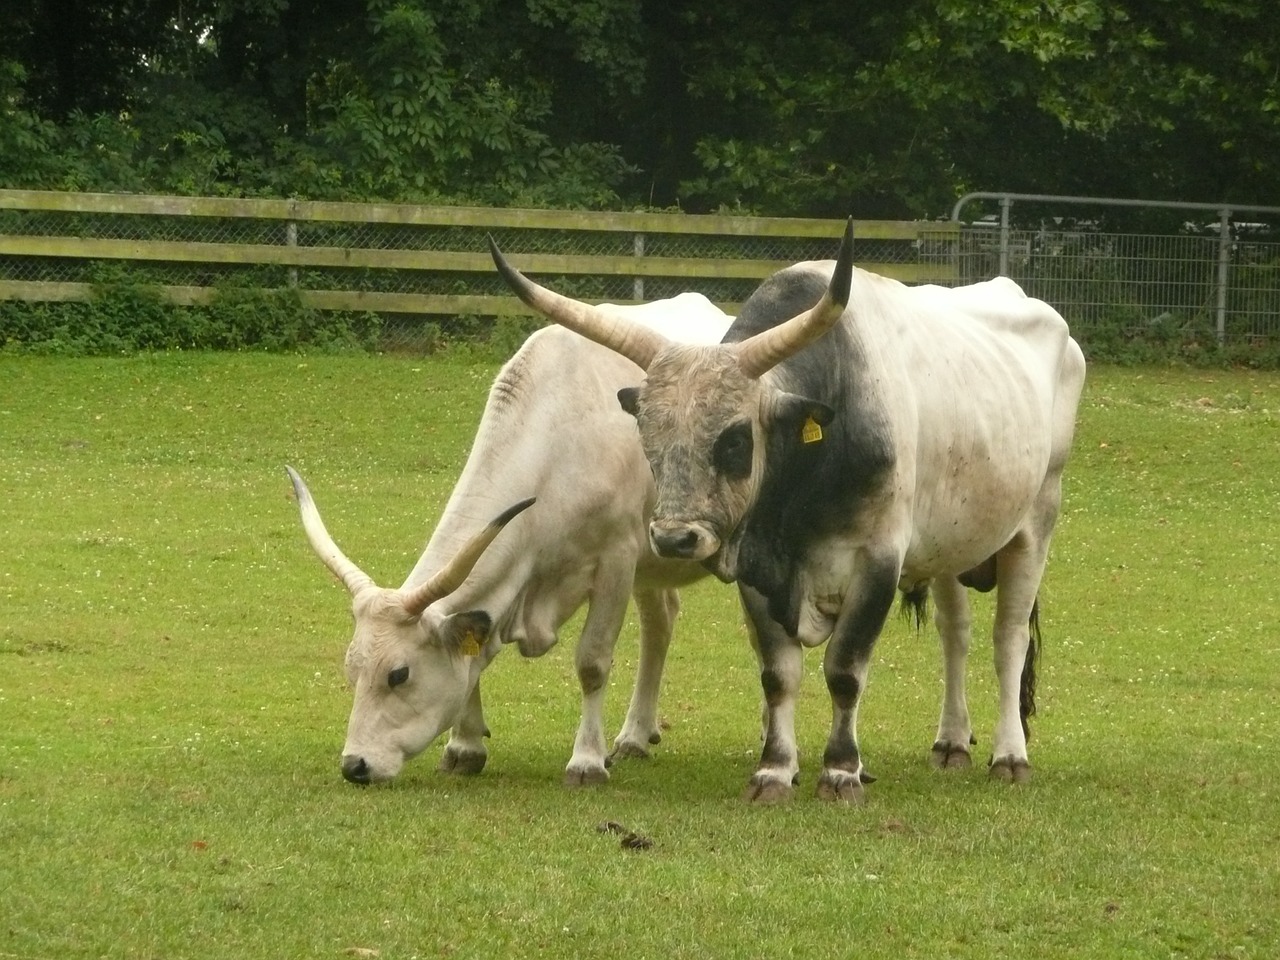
x: 510, y: 513
x: 296, y: 479
x: 842, y: 278
x: 513, y: 278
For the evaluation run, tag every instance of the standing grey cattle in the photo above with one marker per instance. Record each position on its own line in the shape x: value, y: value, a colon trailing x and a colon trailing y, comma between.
x: 551, y: 429
x: 852, y: 437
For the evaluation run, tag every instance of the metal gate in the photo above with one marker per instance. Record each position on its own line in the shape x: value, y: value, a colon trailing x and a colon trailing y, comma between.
x: 1220, y: 270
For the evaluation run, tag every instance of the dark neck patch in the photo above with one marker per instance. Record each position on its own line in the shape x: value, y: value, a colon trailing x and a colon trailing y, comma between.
x: 808, y: 490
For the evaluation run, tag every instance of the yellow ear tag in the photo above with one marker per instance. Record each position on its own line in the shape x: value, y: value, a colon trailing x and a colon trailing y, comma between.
x: 470, y: 646
x: 812, y: 432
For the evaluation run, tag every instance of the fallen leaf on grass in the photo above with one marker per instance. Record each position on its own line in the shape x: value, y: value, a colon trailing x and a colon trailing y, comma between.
x: 362, y: 952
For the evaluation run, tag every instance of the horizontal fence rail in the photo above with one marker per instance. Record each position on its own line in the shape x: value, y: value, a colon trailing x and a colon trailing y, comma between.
x: 409, y: 263
x: 424, y: 260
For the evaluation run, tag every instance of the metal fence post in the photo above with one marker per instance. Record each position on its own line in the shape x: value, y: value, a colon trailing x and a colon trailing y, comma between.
x: 291, y: 239
x: 1005, y: 204
x: 1224, y: 269
x: 637, y: 283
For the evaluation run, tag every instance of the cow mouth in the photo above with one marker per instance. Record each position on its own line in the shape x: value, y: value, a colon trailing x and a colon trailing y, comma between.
x: 683, y: 540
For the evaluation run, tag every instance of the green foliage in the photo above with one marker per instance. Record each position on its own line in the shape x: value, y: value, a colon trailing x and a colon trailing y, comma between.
x: 127, y: 316
x: 173, y: 705
x: 765, y: 106
x: 1134, y: 340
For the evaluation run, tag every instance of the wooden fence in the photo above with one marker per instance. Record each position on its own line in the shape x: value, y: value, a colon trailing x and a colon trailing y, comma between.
x: 343, y: 256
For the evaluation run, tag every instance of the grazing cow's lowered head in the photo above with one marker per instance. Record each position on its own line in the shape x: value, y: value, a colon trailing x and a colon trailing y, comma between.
x: 410, y: 666
x: 705, y: 415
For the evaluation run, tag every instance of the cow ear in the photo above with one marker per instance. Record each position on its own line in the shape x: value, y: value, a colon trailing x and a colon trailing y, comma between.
x: 629, y: 397
x: 466, y: 633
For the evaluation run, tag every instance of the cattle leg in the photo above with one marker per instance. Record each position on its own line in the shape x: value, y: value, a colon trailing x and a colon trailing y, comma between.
x: 465, y: 753
x: 593, y: 659
x: 845, y: 666
x: 657, y: 610
x: 1021, y: 565
x: 953, y: 620
x: 781, y: 665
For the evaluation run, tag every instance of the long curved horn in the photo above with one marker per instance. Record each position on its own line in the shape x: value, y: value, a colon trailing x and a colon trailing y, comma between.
x: 352, y: 577
x: 638, y: 344
x: 767, y: 349
x: 450, y: 577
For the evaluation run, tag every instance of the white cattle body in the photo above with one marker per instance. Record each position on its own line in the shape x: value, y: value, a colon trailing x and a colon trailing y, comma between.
x: 853, y: 437
x: 551, y: 430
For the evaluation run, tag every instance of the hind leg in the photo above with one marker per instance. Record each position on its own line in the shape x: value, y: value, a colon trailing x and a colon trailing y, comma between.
x: 953, y: 620
x: 657, y: 610
x: 1021, y: 565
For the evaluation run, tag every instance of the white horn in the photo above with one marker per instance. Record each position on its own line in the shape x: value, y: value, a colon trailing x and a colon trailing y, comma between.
x: 456, y: 570
x: 352, y: 577
x: 638, y: 344
x: 769, y: 348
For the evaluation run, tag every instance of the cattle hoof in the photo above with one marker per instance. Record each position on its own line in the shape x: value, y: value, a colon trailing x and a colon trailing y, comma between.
x: 655, y: 738
x: 585, y: 776
x: 1010, y: 770
x: 462, y: 762
x: 949, y: 756
x: 629, y: 749
x: 767, y: 792
x: 840, y: 787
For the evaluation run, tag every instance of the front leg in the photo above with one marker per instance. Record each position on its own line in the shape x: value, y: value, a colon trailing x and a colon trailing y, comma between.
x: 594, y: 658
x: 657, y: 610
x: 845, y: 666
x: 781, y: 661
x: 465, y: 753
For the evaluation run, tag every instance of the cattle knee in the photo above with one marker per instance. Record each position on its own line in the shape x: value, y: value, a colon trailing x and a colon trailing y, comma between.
x: 592, y: 677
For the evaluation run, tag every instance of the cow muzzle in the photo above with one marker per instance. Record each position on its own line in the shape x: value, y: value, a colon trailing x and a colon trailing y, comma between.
x: 356, y: 770
x: 682, y: 540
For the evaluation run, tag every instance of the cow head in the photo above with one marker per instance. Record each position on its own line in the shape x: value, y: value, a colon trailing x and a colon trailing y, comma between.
x: 705, y: 414
x: 410, y: 666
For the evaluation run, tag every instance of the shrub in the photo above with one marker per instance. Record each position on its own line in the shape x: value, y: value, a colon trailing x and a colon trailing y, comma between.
x: 124, y: 315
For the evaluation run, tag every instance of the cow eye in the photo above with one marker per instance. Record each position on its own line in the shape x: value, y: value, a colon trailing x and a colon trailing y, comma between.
x: 397, y: 676
x: 732, y: 451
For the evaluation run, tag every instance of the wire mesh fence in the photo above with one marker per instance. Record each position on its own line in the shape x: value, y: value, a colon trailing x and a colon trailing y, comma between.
x: 1136, y: 280
x: 424, y: 270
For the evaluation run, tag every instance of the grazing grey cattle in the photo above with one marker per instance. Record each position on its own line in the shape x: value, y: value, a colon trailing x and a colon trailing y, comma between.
x: 850, y: 438
x: 551, y: 429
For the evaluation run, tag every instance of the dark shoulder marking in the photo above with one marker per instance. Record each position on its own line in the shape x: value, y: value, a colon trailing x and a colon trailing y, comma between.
x: 808, y: 490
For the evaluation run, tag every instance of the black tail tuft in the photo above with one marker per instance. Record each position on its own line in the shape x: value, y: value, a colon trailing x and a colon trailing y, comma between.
x: 915, y: 605
x: 1027, y: 689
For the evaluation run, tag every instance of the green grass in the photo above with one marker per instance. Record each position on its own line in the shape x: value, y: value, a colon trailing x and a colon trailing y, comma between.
x: 172, y: 705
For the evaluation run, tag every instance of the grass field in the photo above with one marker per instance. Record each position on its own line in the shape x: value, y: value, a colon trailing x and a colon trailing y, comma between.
x: 172, y: 705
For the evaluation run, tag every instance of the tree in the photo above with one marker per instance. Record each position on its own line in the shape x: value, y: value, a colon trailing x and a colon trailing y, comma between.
x: 822, y: 107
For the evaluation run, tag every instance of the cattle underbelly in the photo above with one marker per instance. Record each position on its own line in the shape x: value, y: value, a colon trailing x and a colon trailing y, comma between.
x: 950, y: 547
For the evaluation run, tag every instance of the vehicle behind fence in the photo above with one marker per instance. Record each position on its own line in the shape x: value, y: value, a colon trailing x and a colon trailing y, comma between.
x: 425, y: 269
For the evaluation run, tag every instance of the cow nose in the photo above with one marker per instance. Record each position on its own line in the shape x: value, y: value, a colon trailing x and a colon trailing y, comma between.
x: 355, y: 770
x: 676, y: 541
